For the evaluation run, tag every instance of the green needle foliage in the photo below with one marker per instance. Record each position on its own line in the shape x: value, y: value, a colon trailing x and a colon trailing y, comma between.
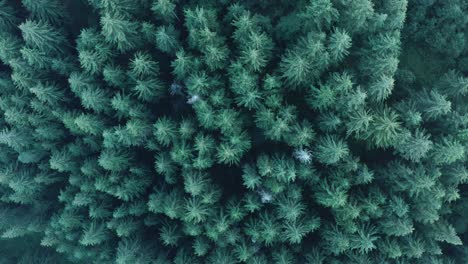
x: 246, y: 131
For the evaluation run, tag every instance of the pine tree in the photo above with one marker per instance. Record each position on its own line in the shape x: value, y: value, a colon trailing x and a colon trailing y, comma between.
x: 433, y: 104
x: 123, y: 8
x: 320, y: 14
x: 330, y: 150
x: 195, y: 211
x: 10, y: 48
x: 132, y: 250
x: 94, y: 234
x: 165, y: 131
x: 358, y: 123
x: 114, y: 160
x: 170, y: 233
x: 8, y: 16
x: 122, y: 33
x: 384, y: 128
x: 335, y: 241
x: 50, y: 94
x: 331, y: 195
x: 453, y: 83
x: 445, y: 232
x: 236, y: 132
x: 51, y: 11
x: 414, y: 147
x: 164, y: 9
x: 43, y: 36
x: 447, y: 151
x: 90, y: 124
x: 381, y: 88
x: 338, y: 46
x: 363, y: 241
x: 167, y: 39
x: 36, y: 58
x: 251, y: 179
x: 296, y: 230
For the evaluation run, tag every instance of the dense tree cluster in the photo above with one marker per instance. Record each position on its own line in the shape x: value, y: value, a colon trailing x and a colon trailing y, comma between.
x: 216, y: 131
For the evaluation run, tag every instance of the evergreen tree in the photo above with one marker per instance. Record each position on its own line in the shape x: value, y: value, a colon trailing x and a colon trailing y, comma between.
x: 122, y: 33
x: 168, y: 131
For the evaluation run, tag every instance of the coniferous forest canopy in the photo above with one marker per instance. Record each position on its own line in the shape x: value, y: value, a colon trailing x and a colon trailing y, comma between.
x: 234, y: 131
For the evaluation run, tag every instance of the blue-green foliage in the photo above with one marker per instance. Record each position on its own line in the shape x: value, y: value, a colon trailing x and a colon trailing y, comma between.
x: 205, y: 131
